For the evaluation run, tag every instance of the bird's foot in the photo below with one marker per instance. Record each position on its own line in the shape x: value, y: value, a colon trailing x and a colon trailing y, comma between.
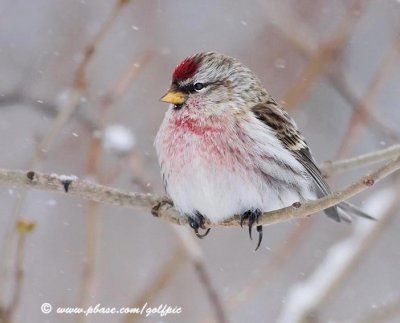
x: 252, y: 217
x: 196, y: 222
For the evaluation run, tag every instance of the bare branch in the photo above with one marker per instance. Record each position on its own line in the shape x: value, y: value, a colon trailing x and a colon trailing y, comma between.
x: 211, y: 292
x: 363, y: 160
x: 379, y: 79
x: 94, y: 161
x: 159, y: 282
x: 307, y: 298
x: 7, y: 312
x: 65, y: 112
x: 325, y: 55
x: 163, y: 207
x: 304, y: 41
x: 195, y: 254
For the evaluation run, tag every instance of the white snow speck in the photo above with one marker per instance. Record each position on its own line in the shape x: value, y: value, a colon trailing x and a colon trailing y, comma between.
x: 63, y: 178
x: 67, y: 178
x: 244, y: 23
x: 118, y: 139
x: 135, y: 28
x: 39, y: 101
x: 280, y: 63
x: 75, y: 134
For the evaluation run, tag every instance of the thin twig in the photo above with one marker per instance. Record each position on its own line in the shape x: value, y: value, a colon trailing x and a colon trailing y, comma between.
x: 19, y: 98
x: 88, y: 274
x: 211, y: 292
x: 80, y: 81
x: 158, y: 283
x: 384, y: 71
x: 65, y: 112
x: 196, y: 256
x: 324, y: 56
x: 363, y: 160
x: 94, y: 160
x: 80, y: 84
x: 6, y: 313
x: 307, y: 298
x: 304, y: 41
x: 345, y: 88
x: 272, y: 267
x: 163, y: 208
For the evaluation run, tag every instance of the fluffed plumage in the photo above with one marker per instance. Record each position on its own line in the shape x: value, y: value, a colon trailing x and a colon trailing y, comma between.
x: 225, y: 147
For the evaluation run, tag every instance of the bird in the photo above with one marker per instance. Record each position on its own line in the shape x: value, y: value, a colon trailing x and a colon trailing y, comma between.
x: 225, y: 147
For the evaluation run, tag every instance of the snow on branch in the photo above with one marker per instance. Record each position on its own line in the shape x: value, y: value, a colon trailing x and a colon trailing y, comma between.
x: 162, y: 207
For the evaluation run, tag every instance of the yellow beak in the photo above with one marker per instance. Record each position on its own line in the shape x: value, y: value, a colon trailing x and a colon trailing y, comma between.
x: 174, y: 97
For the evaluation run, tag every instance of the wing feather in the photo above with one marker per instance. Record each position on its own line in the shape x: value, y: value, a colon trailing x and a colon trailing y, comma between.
x: 286, y: 131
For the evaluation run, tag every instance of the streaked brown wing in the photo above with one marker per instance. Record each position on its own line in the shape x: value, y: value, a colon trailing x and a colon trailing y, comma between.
x: 286, y: 131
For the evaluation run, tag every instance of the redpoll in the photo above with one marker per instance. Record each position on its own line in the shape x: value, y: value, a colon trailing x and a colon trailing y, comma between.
x: 227, y: 148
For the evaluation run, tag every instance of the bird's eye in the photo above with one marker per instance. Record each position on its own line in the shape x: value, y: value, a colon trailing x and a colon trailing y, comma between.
x: 198, y: 86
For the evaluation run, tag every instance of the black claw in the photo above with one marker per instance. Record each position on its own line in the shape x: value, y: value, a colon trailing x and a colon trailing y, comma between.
x: 260, y: 236
x: 196, y: 222
x: 202, y: 235
x: 251, y: 222
x: 66, y: 183
x: 252, y: 217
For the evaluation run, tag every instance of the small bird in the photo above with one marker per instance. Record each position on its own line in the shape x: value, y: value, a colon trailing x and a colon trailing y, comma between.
x: 226, y: 148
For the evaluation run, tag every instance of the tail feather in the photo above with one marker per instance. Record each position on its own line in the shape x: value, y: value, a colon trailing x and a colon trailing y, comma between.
x: 344, y: 211
x: 352, y: 209
x: 333, y: 213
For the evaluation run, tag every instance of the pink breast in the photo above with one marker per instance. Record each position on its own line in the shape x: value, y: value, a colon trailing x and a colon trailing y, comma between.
x: 196, y: 127
x: 212, y: 145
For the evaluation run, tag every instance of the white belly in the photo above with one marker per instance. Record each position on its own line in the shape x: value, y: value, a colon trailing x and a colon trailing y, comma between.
x: 219, y: 193
x: 220, y: 176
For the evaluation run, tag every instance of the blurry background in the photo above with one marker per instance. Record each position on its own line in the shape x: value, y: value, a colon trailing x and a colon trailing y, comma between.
x: 79, y: 89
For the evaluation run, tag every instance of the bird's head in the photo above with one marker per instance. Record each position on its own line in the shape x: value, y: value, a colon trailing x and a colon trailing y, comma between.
x: 213, y: 84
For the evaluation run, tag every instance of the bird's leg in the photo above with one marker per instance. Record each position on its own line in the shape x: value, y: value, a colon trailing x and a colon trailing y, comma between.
x: 252, y: 217
x: 196, y: 222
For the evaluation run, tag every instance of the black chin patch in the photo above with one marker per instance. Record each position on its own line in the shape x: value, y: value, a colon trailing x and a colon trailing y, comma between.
x: 178, y: 106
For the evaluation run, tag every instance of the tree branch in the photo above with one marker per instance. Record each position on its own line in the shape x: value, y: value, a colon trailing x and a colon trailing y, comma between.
x: 307, y: 298
x: 162, y: 207
x: 363, y: 160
